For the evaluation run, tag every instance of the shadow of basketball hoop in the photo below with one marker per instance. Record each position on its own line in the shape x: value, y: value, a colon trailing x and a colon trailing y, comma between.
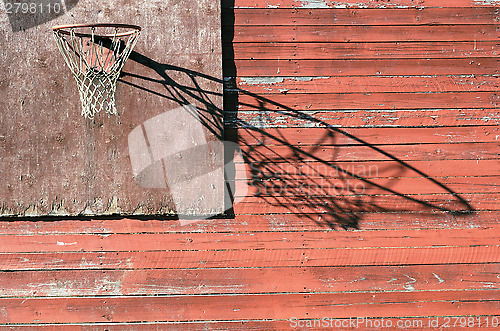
x: 26, y: 14
x: 172, y: 152
x: 334, y: 192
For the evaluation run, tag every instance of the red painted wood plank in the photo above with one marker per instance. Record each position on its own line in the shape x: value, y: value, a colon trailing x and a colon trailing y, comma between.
x: 463, y: 151
x: 256, y: 240
x: 254, y: 280
x: 415, y: 323
x: 364, y: 50
x: 364, y: 84
x: 348, y: 210
x: 223, y: 307
x: 370, y: 101
x: 372, y: 67
x: 297, y: 188
x: 371, y: 169
x: 328, y: 209
x: 358, y: 3
x: 360, y: 118
x: 413, y: 16
x: 415, y: 152
x: 412, y: 324
x: 204, y: 325
x: 245, y: 223
x: 299, y: 137
x: 249, y: 258
x: 352, y: 33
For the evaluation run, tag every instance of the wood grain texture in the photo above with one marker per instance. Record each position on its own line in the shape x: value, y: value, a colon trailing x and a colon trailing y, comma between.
x: 359, y: 50
x: 481, y: 190
x: 247, y: 223
x: 352, y: 33
x: 337, y: 101
x: 464, y: 151
x: 363, y: 118
x: 373, y: 169
x: 249, y: 280
x: 410, y: 16
x: 248, y: 241
x: 363, y: 84
x: 241, y: 307
x: 362, y: 4
x: 361, y: 67
x: 249, y: 258
x: 298, y: 137
x: 415, y: 323
x: 325, y: 207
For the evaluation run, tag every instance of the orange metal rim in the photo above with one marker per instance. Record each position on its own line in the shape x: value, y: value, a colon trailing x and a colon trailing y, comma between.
x: 64, y: 29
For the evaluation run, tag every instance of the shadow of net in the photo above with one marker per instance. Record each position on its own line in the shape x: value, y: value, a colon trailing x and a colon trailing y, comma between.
x: 301, y: 165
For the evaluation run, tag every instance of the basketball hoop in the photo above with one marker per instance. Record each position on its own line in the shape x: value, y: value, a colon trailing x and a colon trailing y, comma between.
x: 96, y: 53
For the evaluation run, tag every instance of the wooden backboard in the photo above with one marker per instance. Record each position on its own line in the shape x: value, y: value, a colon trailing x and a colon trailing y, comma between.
x: 161, y: 155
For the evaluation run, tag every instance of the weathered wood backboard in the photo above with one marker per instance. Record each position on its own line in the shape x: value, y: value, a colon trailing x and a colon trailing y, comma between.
x: 161, y: 155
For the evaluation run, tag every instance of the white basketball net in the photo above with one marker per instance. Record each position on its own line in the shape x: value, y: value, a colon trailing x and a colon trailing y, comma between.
x: 96, y: 62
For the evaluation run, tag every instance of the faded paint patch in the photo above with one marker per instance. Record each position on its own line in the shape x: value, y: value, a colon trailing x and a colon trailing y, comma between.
x: 378, y: 4
x: 60, y: 243
x: 4, y: 314
x: 314, y: 4
x: 276, y: 80
x: 438, y: 278
x: 59, y: 288
x: 111, y: 286
x: 409, y: 285
x: 262, y: 80
x: 487, y: 2
x: 308, y: 79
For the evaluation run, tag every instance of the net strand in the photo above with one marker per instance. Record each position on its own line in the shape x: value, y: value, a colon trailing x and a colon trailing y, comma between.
x: 96, y: 63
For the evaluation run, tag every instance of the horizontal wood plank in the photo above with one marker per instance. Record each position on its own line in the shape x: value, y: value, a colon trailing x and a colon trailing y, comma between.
x: 359, y: 50
x: 249, y: 258
x: 352, y: 33
x: 362, y: 84
x: 346, y: 209
x: 464, y: 151
x: 254, y: 280
x: 359, y: 118
x: 331, y: 16
x: 251, y: 240
x: 244, y: 223
x: 241, y: 307
x: 329, y: 209
x: 347, y: 101
x: 415, y: 323
x: 371, y: 169
x: 360, y: 67
x: 298, y: 137
x: 397, y: 4
x: 370, y: 190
